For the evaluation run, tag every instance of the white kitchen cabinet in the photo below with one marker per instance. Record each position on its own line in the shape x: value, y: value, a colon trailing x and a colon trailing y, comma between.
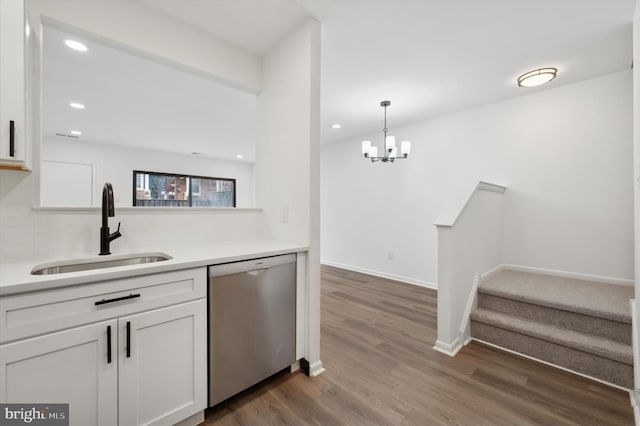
x: 65, y: 367
x: 54, y: 347
x: 163, y: 373
x: 12, y: 84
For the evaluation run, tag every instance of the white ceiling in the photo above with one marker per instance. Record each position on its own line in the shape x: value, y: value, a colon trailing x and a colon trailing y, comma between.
x: 428, y: 57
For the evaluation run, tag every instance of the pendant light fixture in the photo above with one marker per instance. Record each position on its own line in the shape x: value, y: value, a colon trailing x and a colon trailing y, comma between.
x: 390, y: 151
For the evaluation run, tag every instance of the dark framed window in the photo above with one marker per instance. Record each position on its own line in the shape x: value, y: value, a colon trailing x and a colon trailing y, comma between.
x: 154, y: 189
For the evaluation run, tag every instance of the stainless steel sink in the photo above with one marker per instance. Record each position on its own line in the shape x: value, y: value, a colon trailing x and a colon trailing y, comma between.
x: 76, y: 265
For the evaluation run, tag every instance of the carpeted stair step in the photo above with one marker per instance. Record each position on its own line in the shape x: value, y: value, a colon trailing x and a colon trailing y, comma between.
x: 594, y: 356
x: 613, y: 330
x: 584, y: 306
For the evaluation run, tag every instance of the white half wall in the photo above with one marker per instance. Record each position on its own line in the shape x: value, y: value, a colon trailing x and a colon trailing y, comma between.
x: 565, y: 154
x: 469, y: 243
x: 287, y: 158
x: 116, y: 164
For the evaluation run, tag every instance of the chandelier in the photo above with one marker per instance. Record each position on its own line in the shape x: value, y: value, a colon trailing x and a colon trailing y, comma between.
x: 390, y: 152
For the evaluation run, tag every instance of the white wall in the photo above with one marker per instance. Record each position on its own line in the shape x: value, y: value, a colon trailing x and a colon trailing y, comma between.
x: 636, y: 185
x: 115, y: 164
x: 28, y: 235
x: 287, y: 157
x: 565, y: 155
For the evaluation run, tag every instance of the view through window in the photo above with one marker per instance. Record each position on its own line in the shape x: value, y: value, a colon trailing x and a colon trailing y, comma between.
x: 153, y: 189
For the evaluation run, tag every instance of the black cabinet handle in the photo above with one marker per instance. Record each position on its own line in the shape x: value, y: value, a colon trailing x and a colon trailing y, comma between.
x: 128, y: 339
x: 108, y: 344
x: 117, y: 299
x: 12, y: 138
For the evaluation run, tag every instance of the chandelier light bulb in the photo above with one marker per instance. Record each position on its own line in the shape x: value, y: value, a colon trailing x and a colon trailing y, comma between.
x: 366, y: 148
x: 390, y: 143
x: 405, y: 148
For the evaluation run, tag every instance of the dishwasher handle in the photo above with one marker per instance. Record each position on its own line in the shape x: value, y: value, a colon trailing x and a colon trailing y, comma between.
x: 250, y: 265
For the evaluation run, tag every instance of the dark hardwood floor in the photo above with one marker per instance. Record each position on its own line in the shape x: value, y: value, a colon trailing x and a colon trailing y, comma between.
x: 377, y: 339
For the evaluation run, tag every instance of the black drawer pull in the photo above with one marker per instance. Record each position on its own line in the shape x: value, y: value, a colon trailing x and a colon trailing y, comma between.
x: 117, y: 299
x: 12, y: 138
x: 128, y: 339
x: 108, y: 344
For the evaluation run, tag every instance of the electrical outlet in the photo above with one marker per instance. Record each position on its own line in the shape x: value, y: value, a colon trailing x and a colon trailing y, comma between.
x: 390, y: 255
x: 284, y: 214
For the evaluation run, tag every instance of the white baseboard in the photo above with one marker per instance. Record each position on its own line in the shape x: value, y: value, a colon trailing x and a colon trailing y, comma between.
x: 196, y: 419
x: 550, y: 364
x: 471, y: 303
x: 635, y: 344
x: 403, y: 279
x: 450, y: 349
x: 635, y: 405
x: 316, y: 369
x: 491, y: 272
x: 566, y: 274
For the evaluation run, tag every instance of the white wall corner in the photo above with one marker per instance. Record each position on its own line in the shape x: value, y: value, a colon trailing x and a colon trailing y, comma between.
x: 450, y: 349
x: 491, y: 272
x: 316, y: 369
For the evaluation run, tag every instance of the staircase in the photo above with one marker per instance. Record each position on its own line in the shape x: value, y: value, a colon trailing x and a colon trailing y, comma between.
x: 580, y: 325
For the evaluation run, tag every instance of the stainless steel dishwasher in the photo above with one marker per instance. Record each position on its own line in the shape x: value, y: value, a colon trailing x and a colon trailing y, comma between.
x: 252, y: 322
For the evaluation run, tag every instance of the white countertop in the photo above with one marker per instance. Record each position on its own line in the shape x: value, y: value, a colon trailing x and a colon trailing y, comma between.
x: 16, y: 277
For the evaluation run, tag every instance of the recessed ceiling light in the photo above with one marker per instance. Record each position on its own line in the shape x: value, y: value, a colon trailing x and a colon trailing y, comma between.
x: 76, y: 132
x: 76, y: 45
x: 76, y: 105
x: 239, y: 156
x: 537, y: 77
x: 336, y: 126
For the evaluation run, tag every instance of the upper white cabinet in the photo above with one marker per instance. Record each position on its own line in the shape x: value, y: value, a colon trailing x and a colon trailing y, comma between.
x: 12, y: 84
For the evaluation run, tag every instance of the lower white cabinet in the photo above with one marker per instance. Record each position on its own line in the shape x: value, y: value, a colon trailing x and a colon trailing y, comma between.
x: 65, y: 367
x: 162, y: 365
x: 147, y: 368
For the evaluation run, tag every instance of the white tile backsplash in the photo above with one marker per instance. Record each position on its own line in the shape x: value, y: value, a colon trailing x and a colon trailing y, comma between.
x: 39, y: 235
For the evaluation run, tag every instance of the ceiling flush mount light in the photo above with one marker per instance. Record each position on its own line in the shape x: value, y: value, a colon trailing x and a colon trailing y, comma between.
x: 390, y: 149
x: 239, y: 156
x: 76, y: 45
x: 336, y: 126
x: 537, y: 77
x: 76, y: 105
x: 76, y: 132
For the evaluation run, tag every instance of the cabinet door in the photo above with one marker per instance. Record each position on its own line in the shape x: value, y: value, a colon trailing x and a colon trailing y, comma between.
x: 162, y: 365
x: 12, y: 86
x: 66, y: 367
